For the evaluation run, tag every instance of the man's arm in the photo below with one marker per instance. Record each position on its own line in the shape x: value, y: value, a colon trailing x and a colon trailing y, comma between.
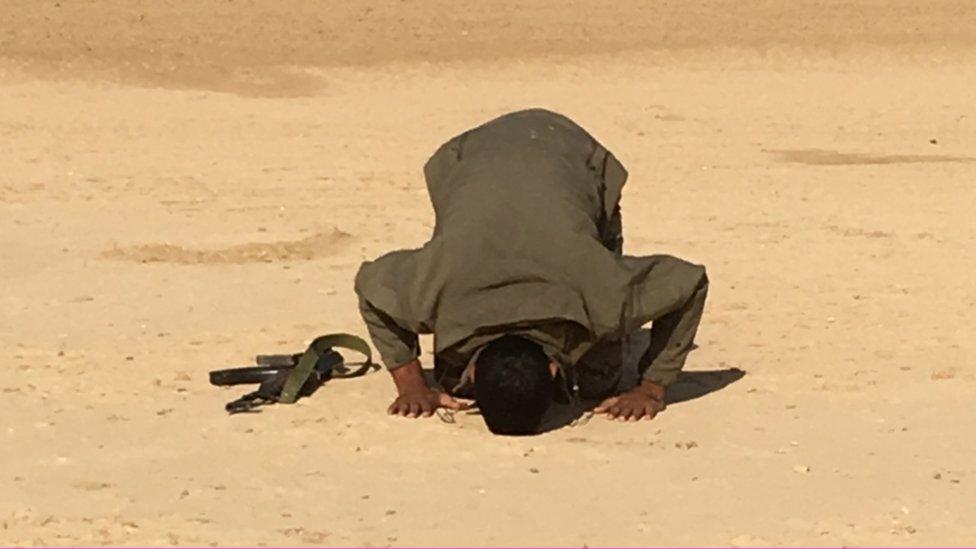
x: 399, y: 349
x: 396, y: 343
x: 673, y: 333
x: 670, y: 293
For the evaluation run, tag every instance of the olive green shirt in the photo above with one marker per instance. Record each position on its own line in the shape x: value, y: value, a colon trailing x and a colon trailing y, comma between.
x: 527, y: 240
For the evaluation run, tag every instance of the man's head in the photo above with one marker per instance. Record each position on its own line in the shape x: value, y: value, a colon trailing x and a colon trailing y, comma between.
x: 513, y: 385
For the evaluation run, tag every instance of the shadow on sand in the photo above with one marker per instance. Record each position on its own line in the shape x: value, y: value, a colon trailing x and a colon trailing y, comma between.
x: 692, y: 385
x: 689, y: 386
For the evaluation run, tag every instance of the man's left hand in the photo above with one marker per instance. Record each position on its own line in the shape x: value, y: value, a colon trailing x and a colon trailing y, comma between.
x: 641, y: 402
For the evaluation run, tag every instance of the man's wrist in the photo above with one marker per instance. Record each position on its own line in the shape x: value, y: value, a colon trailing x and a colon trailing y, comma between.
x: 409, y: 377
x: 651, y: 389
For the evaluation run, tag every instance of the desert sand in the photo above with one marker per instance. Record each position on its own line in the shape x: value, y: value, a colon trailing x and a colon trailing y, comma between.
x: 184, y: 185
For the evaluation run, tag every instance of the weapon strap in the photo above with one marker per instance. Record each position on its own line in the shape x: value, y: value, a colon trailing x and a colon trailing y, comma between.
x: 306, y: 362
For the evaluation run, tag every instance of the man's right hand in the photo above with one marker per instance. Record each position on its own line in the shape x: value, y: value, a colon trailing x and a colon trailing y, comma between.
x: 415, y: 397
x: 422, y: 403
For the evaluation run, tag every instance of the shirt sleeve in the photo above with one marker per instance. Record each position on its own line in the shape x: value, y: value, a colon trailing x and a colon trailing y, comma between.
x: 669, y: 292
x: 397, y: 345
x: 391, y: 307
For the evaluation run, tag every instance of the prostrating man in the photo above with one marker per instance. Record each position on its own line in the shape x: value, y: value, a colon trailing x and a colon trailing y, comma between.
x: 524, y: 285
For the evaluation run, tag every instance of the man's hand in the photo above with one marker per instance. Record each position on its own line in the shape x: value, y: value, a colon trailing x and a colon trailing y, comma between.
x: 643, y: 401
x: 415, y: 398
x: 422, y: 403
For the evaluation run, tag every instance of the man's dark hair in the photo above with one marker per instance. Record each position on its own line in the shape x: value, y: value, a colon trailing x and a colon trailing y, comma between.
x: 512, y: 385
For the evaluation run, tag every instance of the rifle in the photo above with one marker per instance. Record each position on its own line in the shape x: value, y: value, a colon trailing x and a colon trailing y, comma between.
x: 286, y: 378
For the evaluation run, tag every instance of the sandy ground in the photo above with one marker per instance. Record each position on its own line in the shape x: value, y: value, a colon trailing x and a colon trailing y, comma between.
x: 184, y: 185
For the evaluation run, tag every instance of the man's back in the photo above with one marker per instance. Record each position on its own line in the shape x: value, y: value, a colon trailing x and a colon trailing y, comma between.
x: 520, y: 206
x: 521, y: 178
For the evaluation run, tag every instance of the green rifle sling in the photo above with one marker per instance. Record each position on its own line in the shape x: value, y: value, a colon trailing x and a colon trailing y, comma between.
x: 306, y: 363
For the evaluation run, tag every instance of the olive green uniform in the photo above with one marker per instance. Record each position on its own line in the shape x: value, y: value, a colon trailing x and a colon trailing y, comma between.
x: 527, y: 240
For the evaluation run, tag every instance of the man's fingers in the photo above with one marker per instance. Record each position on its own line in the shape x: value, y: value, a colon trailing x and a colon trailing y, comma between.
x: 651, y: 411
x: 627, y: 413
x: 605, y: 405
x: 628, y: 409
x: 641, y: 413
x: 631, y: 412
x: 422, y: 405
x: 398, y: 407
x: 448, y: 401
